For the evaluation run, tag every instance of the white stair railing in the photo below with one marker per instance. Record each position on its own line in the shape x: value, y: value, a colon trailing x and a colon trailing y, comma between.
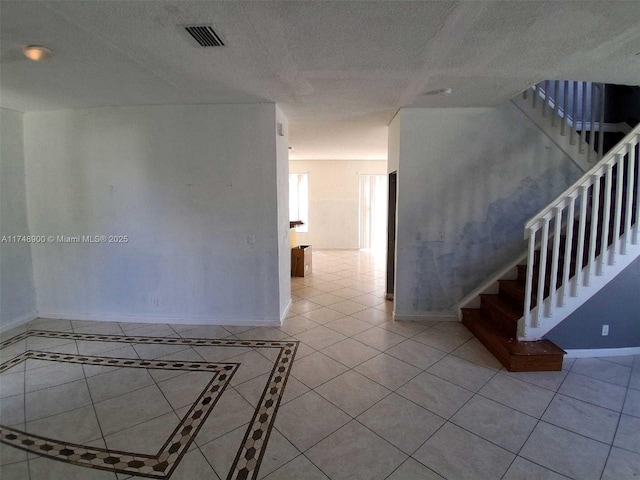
x: 577, y: 108
x: 597, y: 218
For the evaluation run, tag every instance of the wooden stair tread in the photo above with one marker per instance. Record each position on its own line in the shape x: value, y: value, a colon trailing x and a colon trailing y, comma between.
x: 513, y: 288
x: 512, y: 312
x: 516, y: 356
x: 539, y: 347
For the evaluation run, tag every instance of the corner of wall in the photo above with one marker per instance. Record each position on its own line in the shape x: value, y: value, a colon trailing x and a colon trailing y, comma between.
x: 17, y: 291
x: 282, y: 190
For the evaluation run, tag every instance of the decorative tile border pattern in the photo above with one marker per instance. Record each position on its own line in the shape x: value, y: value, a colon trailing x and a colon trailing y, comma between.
x: 160, y: 465
x: 114, y: 362
x: 249, y: 456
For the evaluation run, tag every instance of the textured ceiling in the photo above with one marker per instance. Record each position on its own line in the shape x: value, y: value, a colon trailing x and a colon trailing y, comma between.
x: 339, y: 70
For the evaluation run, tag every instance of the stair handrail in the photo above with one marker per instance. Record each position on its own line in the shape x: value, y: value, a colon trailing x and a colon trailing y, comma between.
x: 577, y: 193
x: 609, y: 158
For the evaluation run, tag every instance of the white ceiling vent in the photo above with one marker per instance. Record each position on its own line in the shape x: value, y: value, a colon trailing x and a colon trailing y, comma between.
x: 205, y: 35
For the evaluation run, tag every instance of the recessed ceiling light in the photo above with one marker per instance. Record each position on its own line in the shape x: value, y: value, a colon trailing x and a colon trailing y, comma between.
x: 37, y: 53
x: 440, y: 91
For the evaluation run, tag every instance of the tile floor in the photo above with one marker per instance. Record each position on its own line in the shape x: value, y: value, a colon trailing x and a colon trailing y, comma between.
x: 365, y: 398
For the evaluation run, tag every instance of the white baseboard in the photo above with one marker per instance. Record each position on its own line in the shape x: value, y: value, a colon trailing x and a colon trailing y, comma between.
x: 286, y: 312
x: 427, y: 317
x: 163, y: 319
x: 601, y: 352
x: 16, y: 322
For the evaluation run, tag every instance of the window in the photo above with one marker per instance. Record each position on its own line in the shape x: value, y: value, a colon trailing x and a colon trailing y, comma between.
x: 299, y: 199
x: 373, y: 212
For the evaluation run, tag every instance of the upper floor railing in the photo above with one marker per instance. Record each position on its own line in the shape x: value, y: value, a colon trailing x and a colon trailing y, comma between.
x: 578, y: 110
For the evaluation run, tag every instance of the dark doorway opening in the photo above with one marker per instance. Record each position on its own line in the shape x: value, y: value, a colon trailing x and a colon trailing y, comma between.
x: 391, y: 236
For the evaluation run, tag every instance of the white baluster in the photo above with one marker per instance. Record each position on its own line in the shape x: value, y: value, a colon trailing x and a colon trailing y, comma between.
x: 631, y: 164
x: 529, y: 280
x: 545, y: 104
x: 555, y: 258
x: 556, y: 99
x: 534, y: 97
x: 617, y: 219
x: 565, y: 103
x: 583, y: 129
x: 636, y: 233
x: 593, y: 237
x: 582, y: 227
x: 592, y: 126
x: 542, y: 270
x: 601, y: 126
x: 574, y: 115
x: 604, y: 236
x: 568, y: 250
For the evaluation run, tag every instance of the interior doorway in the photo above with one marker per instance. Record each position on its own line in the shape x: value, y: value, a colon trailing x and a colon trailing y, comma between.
x: 391, y: 236
x: 373, y: 212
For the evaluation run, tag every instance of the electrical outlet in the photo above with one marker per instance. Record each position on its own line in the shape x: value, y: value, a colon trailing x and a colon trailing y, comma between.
x: 605, y: 330
x: 251, y: 239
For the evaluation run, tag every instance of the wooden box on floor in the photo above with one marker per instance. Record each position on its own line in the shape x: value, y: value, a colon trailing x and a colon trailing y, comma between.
x: 301, y: 265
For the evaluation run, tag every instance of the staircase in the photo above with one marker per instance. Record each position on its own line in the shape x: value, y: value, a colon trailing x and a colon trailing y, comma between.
x: 577, y: 244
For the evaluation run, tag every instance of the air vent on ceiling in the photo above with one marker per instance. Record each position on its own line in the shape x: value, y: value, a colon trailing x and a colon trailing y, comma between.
x: 205, y: 35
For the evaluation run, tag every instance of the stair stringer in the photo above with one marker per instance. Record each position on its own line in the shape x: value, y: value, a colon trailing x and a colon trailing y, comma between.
x: 584, y: 292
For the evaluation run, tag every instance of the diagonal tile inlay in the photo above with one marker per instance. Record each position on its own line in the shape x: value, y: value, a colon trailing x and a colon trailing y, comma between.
x: 162, y: 464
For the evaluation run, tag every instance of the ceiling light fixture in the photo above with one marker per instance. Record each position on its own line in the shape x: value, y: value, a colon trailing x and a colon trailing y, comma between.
x: 440, y: 91
x: 37, y: 53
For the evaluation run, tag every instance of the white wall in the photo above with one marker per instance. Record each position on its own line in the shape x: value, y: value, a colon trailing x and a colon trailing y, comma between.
x: 282, y: 185
x: 333, y: 200
x: 394, y: 144
x: 193, y: 187
x: 17, y: 293
x: 468, y: 179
